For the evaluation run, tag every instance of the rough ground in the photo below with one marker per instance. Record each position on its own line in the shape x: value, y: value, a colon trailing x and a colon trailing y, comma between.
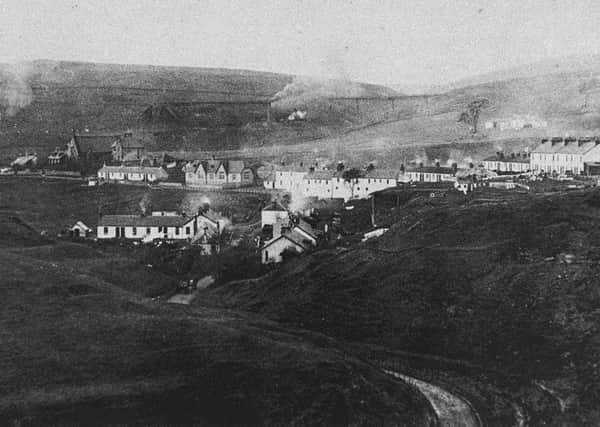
x: 511, y: 286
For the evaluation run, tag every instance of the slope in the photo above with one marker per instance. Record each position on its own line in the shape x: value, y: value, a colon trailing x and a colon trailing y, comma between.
x: 510, y: 286
x: 79, y: 349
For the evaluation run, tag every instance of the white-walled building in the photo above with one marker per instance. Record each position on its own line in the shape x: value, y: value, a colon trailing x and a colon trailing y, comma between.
x: 226, y: 173
x: 135, y: 227
x: 561, y: 156
x: 132, y: 173
x: 516, y: 163
x: 422, y: 173
x: 274, y: 213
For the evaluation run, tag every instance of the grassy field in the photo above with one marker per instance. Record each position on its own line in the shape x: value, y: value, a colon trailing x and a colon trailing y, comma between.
x: 82, y: 344
x: 507, y: 284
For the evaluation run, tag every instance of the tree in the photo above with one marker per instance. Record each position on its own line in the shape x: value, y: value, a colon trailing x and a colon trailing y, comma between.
x: 470, y: 115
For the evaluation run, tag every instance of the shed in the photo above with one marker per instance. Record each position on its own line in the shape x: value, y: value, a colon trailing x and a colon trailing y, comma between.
x: 80, y: 230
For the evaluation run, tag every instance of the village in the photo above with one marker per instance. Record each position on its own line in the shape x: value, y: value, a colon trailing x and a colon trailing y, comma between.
x: 306, y: 202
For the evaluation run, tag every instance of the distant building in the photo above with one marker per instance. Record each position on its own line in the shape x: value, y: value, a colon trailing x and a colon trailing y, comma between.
x: 148, y: 174
x: 421, y: 173
x: 287, y: 177
x: 515, y: 163
x: 565, y: 155
x: 147, y: 228
x: 217, y: 173
x: 128, y: 148
x: 274, y: 213
x: 26, y: 161
x: 293, y: 239
x: 80, y: 230
x: 516, y: 122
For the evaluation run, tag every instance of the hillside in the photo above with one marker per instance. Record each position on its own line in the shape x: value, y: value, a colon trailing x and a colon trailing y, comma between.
x: 181, y: 107
x: 82, y: 345
x: 508, y: 285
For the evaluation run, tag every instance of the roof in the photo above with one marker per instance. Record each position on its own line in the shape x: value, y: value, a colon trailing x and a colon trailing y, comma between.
x: 565, y: 146
x: 507, y: 159
x: 212, y: 165
x: 382, y: 173
x: 306, y: 227
x: 431, y: 169
x: 275, y: 206
x: 321, y: 174
x: 95, y: 143
x: 291, y: 168
x: 297, y: 236
x: 81, y: 225
x: 287, y: 237
x: 158, y: 171
x: 144, y: 221
x: 23, y: 160
x: 235, y: 166
x: 132, y: 142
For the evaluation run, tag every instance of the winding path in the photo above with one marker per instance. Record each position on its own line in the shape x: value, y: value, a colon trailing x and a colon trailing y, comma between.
x: 451, y: 410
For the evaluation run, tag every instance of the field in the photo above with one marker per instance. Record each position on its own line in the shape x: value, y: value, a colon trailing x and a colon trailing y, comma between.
x: 84, y: 344
x: 509, y: 285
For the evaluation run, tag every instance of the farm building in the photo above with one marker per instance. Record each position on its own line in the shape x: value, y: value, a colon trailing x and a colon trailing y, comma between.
x: 294, y: 239
x: 26, y: 161
x: 132, y: 174
x: 421, y: 173
x: 135, y: 227
x: 128, y: 148
x: 80, y: 230
x: 513, y: 163
x: 274, y: 213
x: 564, y: 156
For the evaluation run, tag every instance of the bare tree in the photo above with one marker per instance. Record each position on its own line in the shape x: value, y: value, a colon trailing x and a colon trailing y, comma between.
x: 470, y: 115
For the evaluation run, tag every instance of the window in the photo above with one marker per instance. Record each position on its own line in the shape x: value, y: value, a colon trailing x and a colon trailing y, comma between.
x: 105, y: 230
x: 221, y: 175
x: 177, y: 231
x: 187, y: 230
x: 134, y: 231
x: 147, y: 230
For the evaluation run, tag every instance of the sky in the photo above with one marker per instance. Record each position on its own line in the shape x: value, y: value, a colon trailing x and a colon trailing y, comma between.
x: 397, y: 42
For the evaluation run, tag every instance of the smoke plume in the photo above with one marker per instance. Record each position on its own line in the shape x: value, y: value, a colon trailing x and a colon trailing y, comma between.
x: 15, y: 91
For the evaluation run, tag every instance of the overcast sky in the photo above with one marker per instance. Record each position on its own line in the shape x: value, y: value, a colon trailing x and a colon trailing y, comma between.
x: 389, y: 42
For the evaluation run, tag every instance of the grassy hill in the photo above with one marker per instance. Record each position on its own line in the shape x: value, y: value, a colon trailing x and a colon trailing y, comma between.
x: 509, y: 285
x: 182, y: 107
x: 84, y: 345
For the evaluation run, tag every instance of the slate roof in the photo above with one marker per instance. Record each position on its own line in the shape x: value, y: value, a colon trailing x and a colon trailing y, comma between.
x: 287, y: 237
x: 95, y: 143
x: 158, y: 171
x: 431, y: 169
x: 382, y: 174
x: 566, y: 146
x: 235, y: 166
x: 275, y: 206
x: 144, y: 221
x: 326, y: 174
x: 507, y: 159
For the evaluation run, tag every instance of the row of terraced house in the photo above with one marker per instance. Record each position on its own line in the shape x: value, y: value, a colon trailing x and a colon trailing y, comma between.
x: 219, y: 173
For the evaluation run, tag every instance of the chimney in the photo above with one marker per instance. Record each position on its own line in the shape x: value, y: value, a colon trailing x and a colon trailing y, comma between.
x: 471, y: 165
x: 437, y: 164
x: 402, y: 168
x: 420, y: 164
x: 454, y: 167
x: 276, y: 229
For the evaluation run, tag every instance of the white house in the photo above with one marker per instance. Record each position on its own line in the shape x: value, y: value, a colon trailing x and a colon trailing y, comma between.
x: 561, y: 156
x: 287, y: 178
x: 273, y: 250
x: 274, y: 213
x: 298, y: 239
x: 132, y: 173
x: 167, y: 227
x: 422, y: 173
x: 515, y: 163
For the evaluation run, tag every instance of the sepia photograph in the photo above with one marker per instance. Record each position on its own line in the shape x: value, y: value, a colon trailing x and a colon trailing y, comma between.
x: 300, y: 213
